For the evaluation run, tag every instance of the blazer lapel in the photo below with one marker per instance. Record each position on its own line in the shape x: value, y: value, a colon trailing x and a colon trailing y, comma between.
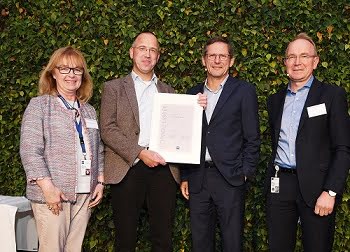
x: 279, y: 103
x: 161, y: 87
x: 131, y: 94
x: 199, y: 89
x: 225, y: 94
x: 312, y: 99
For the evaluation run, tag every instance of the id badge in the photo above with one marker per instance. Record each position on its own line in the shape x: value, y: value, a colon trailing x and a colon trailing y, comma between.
x: 275, y: 185
x: 85, y: 166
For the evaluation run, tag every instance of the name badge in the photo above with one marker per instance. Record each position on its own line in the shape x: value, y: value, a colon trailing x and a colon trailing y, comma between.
x: 91, y: 123
x: 275, y: 185
x: 317, y: 110
x: 85, y: 167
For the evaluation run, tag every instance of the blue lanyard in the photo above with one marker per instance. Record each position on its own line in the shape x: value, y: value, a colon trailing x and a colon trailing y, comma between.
x: 78, y: 125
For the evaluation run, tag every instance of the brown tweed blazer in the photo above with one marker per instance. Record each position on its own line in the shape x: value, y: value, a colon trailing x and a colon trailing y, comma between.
x: 120, y: 128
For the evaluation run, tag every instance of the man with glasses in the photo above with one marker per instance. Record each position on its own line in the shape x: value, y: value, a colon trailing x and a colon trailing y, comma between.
x: 230, y: 150
x: 310, y: 134
x: 137, y: 175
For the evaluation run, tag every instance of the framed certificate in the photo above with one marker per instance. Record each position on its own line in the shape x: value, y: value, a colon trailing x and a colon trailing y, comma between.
x: 176, y: 128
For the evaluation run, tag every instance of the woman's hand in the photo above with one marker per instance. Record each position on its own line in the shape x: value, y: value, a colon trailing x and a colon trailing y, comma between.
x: 97, y: 195
x: 52, y: 194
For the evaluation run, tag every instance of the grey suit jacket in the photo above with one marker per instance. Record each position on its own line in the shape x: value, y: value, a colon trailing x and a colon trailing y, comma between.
x: 120, y: 127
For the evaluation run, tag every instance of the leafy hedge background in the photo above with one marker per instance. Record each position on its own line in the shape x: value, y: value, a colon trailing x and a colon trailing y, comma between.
x: 259, y: 29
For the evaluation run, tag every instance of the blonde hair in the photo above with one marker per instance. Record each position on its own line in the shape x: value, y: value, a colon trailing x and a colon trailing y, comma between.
x: 47, y: 84
x: 306, y: 37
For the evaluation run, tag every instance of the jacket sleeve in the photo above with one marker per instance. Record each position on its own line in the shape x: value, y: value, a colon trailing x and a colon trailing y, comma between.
x: 339, y: 130
x: 251, y: 132
x: 101, y: 148
x: 32, y: 142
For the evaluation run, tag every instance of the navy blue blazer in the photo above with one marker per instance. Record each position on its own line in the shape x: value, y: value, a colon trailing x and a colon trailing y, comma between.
x: 322, y: 143
x: 232, y: 136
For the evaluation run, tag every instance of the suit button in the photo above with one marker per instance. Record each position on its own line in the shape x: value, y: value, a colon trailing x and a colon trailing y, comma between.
x: 136, y: 133
x: 208, y: 132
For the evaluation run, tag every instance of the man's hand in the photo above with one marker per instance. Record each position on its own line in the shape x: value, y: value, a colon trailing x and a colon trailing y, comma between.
x: 184, y: 189
x: 324, y: 204
x: 151, y: 158
x: 202, y: 100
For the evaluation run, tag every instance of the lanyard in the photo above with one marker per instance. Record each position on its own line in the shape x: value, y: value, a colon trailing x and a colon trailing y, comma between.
x: 78, y: 125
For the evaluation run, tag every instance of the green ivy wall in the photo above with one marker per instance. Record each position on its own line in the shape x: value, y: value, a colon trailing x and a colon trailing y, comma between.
x: 259, y: 29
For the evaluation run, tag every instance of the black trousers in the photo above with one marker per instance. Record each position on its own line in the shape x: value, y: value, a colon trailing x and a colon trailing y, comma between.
x: 218, y: 200
x: 284, y: 210
x: 157, y: 188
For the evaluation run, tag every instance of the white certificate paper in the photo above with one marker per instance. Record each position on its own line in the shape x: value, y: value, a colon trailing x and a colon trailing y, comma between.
x: 176, y: 128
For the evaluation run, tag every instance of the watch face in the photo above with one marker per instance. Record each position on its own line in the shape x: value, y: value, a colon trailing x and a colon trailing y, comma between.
x: 331, y: 193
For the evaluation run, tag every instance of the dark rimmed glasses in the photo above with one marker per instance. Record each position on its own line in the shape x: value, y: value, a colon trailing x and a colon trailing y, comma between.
x: 66, y: 70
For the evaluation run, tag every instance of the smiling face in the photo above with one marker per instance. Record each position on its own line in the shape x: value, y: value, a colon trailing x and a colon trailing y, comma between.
x: 67, y: 83
x: 145, y: 55
x: 217, y: 60
x: 301, y: 60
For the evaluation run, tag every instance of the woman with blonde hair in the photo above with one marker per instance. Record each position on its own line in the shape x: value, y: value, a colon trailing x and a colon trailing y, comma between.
x: 62, y: 152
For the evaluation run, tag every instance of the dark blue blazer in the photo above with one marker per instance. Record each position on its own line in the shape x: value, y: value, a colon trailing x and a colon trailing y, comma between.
x: 322, y: 143
x: 232, y: 136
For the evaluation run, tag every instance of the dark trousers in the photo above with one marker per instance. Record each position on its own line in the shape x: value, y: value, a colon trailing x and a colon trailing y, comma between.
x: 283, y: 212
x: 218, y: 200
x: 157, y: 188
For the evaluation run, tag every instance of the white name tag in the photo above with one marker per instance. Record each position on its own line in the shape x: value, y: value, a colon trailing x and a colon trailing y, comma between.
x: 85, y: 167
x: 275, y: 185
x: 91, y: 123
x: 317, y: 110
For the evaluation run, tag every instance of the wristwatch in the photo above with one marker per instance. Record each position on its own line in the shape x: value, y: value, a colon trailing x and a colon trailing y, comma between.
x: 331, y: 193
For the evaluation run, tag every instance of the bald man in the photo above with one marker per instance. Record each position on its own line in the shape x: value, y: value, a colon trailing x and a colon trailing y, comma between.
x: 137, y: 175
x: 310, y: 161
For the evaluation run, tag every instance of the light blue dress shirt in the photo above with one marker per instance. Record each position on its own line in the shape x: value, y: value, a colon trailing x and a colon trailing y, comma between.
x: 293, y: 107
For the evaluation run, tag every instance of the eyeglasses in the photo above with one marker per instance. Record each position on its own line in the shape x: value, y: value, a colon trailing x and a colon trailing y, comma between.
x: 222, y: 57
x: 144, y: 49
x: 66, y: 70
x: 303, y: 58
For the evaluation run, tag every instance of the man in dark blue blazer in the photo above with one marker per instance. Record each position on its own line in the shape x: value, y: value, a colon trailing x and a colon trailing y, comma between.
x: 310, y: 133
x: 229, y: 154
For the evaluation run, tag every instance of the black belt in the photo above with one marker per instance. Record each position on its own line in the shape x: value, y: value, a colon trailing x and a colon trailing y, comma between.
x: 287, y: 170
x: 209, y: 164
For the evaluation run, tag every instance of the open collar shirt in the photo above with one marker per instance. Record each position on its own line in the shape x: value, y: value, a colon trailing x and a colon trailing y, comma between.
x: 145, y: 91
x: 293, y: 107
